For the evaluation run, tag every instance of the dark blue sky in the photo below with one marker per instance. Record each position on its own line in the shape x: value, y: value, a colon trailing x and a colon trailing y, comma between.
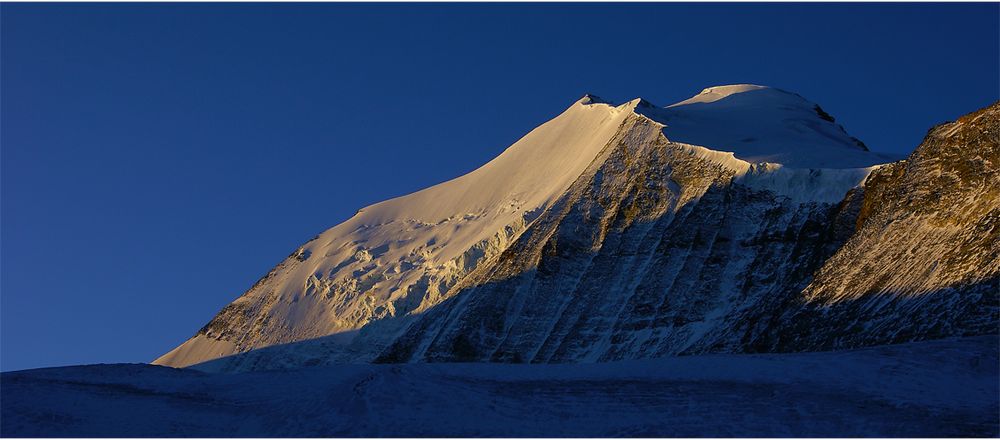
x: 158, y: 159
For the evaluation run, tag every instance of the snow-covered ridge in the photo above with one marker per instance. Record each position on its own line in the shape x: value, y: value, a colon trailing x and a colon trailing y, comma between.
x: 713, y: 94
x: 763, y: 124
x: 820, y: 169
x: 800, y: 185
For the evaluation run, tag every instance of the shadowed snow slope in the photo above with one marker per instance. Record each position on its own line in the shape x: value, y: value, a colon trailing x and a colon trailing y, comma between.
x: 762, y: 124
x: 609, y: 232
x: 945, y: 388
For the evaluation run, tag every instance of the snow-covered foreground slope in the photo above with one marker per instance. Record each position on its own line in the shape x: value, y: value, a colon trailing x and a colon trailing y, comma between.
x: 938, y: 388
x: 635, y: 231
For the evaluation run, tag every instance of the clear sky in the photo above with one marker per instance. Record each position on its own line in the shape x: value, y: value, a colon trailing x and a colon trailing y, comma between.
x: 158, y: 159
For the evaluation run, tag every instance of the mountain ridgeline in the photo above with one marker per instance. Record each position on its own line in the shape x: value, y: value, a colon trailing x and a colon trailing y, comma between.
x: 744, y: 219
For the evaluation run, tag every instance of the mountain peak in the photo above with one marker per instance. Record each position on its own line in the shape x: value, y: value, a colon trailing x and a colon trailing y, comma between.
x: 395, y: 262
x: 589, y: 98
x: 712, y: 94
x: 764, y: 124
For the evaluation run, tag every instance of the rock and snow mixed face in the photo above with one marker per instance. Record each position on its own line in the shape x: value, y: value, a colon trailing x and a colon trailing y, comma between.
x: 608, y: 232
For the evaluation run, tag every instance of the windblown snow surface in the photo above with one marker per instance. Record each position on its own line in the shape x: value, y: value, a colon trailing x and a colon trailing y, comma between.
x: 938, y: 388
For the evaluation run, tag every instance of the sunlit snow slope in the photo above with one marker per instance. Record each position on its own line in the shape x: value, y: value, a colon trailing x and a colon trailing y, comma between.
x: 402, y: 255
x: 609, y: 232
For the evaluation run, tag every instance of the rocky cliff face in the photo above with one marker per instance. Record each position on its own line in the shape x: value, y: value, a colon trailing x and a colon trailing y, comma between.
x: 617, y: 241
x: 924, y: 261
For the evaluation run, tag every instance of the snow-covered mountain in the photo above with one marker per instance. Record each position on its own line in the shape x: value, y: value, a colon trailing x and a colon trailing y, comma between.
x: 717, y: 224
